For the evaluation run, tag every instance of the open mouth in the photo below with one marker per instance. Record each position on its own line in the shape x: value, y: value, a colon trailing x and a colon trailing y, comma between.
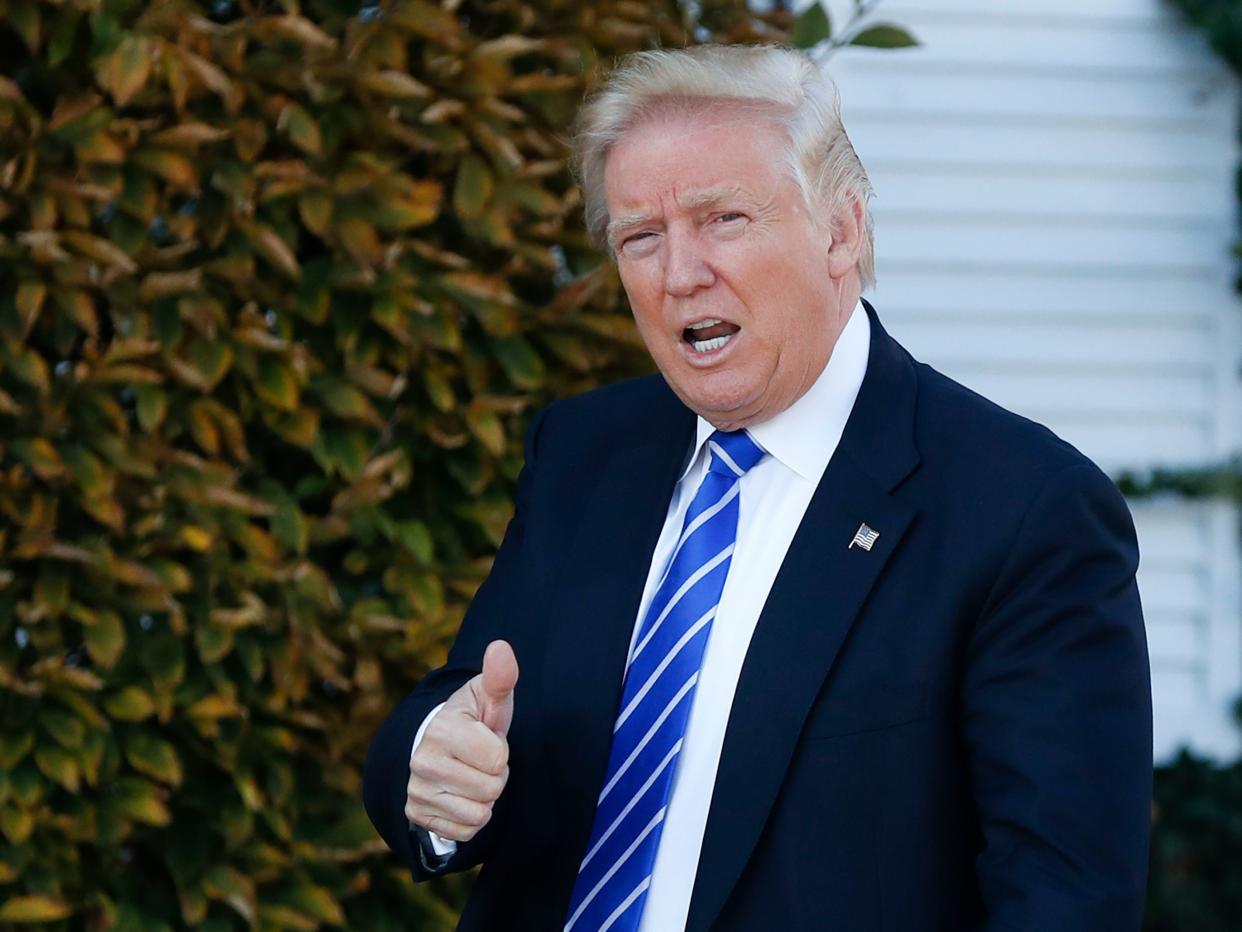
x: 709, y: 335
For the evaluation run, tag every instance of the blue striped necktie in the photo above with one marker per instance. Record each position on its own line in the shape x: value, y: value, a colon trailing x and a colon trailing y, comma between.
x: 663, y: 669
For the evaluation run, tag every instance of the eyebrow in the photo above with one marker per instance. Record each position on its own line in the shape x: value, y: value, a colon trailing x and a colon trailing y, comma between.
x: 695, y: 200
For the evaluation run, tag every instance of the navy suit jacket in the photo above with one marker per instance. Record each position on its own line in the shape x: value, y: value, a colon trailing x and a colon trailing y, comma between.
x: 951, y: 731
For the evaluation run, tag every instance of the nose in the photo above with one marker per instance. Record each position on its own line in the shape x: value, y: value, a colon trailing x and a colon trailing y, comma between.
x: 685, y: 269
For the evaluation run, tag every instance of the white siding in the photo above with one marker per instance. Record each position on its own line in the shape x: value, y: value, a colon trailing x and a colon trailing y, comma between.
x: 1054, y: 214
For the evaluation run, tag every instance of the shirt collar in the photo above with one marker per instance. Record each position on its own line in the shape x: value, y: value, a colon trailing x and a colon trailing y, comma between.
x: 804, y: 435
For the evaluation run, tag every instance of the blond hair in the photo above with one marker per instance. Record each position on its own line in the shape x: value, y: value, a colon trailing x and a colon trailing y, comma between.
x: 803, y: 100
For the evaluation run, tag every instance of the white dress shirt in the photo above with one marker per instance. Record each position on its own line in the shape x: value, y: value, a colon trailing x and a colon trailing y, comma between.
x: 774, y: 496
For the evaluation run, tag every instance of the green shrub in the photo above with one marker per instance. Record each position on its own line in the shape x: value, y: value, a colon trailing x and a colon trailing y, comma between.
x: 279, y: 287
x: 1195, y: 883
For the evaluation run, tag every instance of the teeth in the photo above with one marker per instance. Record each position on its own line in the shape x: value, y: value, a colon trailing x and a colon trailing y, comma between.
x: 706, y: 346
x: 710, y: 322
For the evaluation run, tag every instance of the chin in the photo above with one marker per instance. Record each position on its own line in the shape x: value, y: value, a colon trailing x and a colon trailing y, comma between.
x: 717, y: 403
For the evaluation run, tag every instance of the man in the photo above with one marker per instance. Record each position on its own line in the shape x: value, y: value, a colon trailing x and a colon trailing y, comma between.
x: 799, y: 634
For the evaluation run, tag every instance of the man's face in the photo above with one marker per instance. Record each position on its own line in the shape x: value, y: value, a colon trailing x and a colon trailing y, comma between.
x: 738, y: 295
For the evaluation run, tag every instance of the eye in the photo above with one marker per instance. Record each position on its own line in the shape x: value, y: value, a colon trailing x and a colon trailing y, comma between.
x: 639, y: 243
x: 730, y: 216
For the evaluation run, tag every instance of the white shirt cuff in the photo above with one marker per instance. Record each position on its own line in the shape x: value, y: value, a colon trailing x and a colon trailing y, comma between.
x: 440, y: 846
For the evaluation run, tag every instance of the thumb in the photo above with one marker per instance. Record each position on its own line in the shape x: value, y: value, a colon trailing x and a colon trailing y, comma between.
x: 500, y: 673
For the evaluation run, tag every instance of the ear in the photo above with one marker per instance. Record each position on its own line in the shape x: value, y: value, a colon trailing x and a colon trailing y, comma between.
x: 847, y: 242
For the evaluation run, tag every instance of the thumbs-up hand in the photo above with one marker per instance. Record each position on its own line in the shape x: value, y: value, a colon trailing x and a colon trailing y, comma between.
x: 461, y: 766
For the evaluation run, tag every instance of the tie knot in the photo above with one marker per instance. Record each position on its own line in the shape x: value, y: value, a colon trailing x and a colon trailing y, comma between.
x: 733, y: 453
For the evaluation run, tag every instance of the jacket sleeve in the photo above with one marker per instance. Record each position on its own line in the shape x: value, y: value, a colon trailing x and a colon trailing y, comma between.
x: 387, y: 769
x: 1056, y: 707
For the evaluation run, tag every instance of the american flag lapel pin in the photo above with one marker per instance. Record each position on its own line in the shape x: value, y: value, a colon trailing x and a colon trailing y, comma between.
x: 864, y: 537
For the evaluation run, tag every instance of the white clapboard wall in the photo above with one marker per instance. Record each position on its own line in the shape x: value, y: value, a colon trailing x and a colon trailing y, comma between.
x: 1054, y: 212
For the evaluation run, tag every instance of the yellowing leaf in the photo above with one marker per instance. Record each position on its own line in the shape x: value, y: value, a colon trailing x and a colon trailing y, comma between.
x: 153, y: 756
x: 164, y: 284
x: 140, y: 800
x: 316, y: 902
x: 99, y: 249
x: 393, y: 83
x: 59, y: 765
x: 29, y: 300
x: 487, y: 428
x: 40, y: 456
x: 277, y: 384
x: 35, y: 908
x: 301, y: 129
x: 79, y: 305
x: 216, y: 705
x: 315, y: 209
x: 348, y: 402
x: 27, y: 365
x: 100, y: 147
x: 16, y: 824
x: 152, y: 406
x: 124, y: 72
x: 131, y: 704
x: 106, y: 639
x: 297, y: 28
x: 189, y: 134
x: 178, y: 170
x: 406, y: 206
x: 473, y: 187
x: 203, y: 428
x: 274, y: 249
x: 360, y: 240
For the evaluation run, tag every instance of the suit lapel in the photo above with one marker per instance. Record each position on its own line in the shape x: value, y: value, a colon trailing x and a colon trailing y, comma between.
x: 814, y: 601
x: 599, y: 590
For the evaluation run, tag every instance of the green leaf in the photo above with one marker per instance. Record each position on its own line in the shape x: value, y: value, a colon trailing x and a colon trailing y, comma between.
x: 520, y: 361
x: 14, y: 745
x: 812, y: 27
x: 290, y: 527
x: 61, y: 35
x: 210, y: 358
x: 23, y: 17
x: 416, y: 538
x: 884, y: 36
x: 214, y: 642
x: 67, y: 730
x: 163, y: 656
x: 88, y: 469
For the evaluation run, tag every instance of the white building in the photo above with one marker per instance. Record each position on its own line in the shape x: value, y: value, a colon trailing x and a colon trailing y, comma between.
x: 1054, y: 215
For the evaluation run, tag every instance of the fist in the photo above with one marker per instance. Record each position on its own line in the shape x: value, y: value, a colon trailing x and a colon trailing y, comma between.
x: 462, y: 764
